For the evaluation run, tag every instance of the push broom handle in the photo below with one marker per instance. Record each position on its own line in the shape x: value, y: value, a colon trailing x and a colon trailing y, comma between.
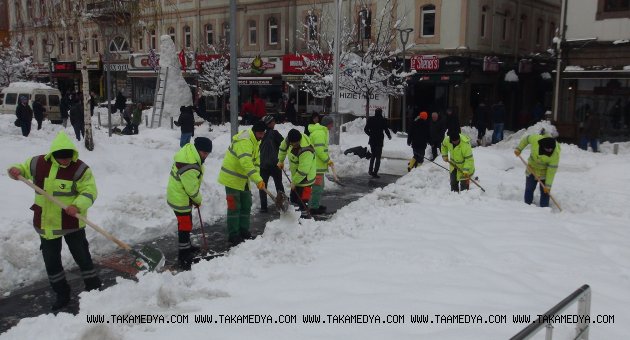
x: 531, y: 171
x: 79, y: 216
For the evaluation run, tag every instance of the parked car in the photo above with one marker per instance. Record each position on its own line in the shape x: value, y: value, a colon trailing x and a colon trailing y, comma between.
x: 49, y: 97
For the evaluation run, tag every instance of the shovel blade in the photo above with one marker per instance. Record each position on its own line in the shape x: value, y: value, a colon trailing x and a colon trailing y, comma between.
x: 148, y: 258
x: 282, y: 202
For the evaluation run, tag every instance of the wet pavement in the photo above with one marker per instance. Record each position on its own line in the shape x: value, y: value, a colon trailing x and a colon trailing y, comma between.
x: 35, y: 299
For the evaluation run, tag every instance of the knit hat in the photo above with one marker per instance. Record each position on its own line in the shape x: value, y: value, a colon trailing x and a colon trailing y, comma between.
x: 203, y: 144
x: 423, y: 115
x: 453, y: 136
x: 547, y: 145
x: 268, y: 119
x: 259, y: 126
x: 294, y: 136
x: 63, y: 154
x: 326, y: 120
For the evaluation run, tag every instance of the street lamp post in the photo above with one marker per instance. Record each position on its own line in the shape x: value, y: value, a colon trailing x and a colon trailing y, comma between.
x: 49, y: 48
x: 404, y: 38
x: 108, y: 32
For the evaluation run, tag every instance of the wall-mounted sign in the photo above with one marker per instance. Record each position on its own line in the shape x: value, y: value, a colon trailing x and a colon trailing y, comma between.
x: 141, y: 61
x: 355, y: 104
x: 91, y: 65
x: 116, y: 67
x: 65, y: 66
x: 296, y: 64
x: 258, y: 81
x: 425, y: 63
x: 259, y: 65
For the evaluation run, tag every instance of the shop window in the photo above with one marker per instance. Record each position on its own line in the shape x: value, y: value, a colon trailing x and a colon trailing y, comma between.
x: 427, y: 19
x: 365, y: 24
x: 209, y: 35
x: 171, y: 32
x: 251, y: 28
x: 187, y: 37
x: 272, y: 26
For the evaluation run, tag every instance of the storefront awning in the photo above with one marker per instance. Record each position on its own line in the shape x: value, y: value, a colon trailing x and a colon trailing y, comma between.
x: 596, y: 74
x: 142, y: 74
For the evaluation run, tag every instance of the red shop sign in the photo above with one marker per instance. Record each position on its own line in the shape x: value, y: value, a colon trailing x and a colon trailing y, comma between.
x: 425, y: 63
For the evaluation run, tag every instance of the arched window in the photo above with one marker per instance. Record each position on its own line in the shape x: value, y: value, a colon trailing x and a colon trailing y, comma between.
x: 118, y: 44
x: 428, y: 21
x: 253, y: 32
x: 187, y: 37
x: 484, y: 21
x: 95, y: 48
x: 311, y: 24
x: 365, y: 24
x: 226, y: 32
x: 209, y: 35
x: 71, y: 45
x: 152, y: 39
x: 171, y: 32
x: 272, y: 28
x: 505, y: 26
x: 539, y: 31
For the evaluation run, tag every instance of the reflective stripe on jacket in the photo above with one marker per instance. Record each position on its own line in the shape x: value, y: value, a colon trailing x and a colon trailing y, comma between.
x: 185, y: 179
x: 241, y: 162
x: 73, y: 185
x: 301, y: 163
x: 544, y: 167
x: 319, y: 139
x: 461, y: 155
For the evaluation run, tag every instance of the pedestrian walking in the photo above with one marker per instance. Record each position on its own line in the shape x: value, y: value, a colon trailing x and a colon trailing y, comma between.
x: 418, y: 137
x: 437, y: 130
x: 376, y: 127
x: 24, y: 115
x: 498, y: 120
x: 77, y: 119
x: 186, y: 123
x: 38, y: 112
x: 269, y: 147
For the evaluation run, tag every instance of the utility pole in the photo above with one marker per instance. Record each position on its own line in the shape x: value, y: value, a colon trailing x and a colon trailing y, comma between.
x: 233, y: 71
x: 87, y: 116
x: 334, y: 138
x: 560, y: 41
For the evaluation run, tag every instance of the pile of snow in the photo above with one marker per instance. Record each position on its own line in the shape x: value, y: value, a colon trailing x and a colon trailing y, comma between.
x: 177, y: 92
x: 511, y: 77
x: 30, y: 85
x: 411, y: 248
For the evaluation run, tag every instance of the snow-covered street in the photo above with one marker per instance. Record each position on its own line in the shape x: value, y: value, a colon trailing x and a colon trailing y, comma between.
x: 411, y: 248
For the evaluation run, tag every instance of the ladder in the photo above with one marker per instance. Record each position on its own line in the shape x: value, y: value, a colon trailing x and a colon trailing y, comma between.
x: 158, y: 100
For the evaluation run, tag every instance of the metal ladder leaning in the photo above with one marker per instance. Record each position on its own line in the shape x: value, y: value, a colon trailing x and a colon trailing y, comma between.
x: 158, y: 101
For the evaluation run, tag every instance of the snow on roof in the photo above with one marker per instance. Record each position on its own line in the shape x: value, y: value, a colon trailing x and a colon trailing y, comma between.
x: 30, y: 85
x: 574, y: 68
x: 624, y: 41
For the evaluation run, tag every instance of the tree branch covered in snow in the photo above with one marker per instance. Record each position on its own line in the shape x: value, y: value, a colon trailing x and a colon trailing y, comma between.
x: 14, y: 65
x: 215, y: 73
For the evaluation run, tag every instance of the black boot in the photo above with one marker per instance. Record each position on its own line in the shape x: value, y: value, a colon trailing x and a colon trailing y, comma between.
x: 184, y: 259
x: 92, y: 283
x: 63, y: 294
x: 246, y: 235
x: 235, y: 240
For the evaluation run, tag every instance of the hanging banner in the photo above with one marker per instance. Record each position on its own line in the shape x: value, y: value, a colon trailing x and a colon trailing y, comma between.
x: 355, y: 104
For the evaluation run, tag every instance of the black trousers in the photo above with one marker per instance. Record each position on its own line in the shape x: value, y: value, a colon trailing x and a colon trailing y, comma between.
x: 435, y: 146
x: 375, y: 160
x: 80, y: 250
x: 276, y: 174
x: 456, y: 185
x: 26, y: 128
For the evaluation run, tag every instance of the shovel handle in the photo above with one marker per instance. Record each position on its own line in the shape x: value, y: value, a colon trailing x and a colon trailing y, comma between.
x: 469, y: 178
x: 269, y: 193
x: 531, y: 171
x: 79, y: 216
x: 332, y: 167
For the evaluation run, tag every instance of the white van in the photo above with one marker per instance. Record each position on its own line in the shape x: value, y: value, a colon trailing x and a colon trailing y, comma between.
x: 49, y: 98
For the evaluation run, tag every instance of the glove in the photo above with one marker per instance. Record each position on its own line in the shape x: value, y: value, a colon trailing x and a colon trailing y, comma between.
x: 293, y: 186
x: 281, y: 165
x: 517, y: 152
x: 260, y: 185
x: 330, y: 163
x: 466, y: 174
x: 445, y: 159
x: 195, y: 204
x: 546, y: 189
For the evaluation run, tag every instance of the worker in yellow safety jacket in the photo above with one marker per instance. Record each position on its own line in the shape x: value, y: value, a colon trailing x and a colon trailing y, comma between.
x: 456, y: 151
x: 543, y: 161
x: 319, y: 139
x: 302, y: 165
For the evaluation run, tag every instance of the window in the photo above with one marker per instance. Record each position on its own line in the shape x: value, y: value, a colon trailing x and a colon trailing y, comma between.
x: 616, y: 5
x: 365, y: 24
x: 42, y: 8
x: 311, y: 24
x: 95, y: 48
x: 251, y: 28
x: 31, y: 44
x: 484, y: 21
x: 10, y: 99
x: 272, y: 27
x: 152, y: 39
x: 209, y: 35
x: 427, y: 21
x: 552, y: 32
x: 41, y: 98
x: 62, y: 46
x: 140, y: 43
x: 171, y: 32
x: 71, y: 45
x: 226, y: 32
x: 18, y: 12
x: 53, y: 100
x: 118, y: 44
x: 539, y: 31
x: 505, y: 26
x: 29, y: 9
x: 522, y: 27
x: 187, y: 37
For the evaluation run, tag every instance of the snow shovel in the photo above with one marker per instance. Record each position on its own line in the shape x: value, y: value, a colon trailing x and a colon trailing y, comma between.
x: 335, y: 177
x: 539, y: 181
x: 469, y: 178
x: 203, y: 233
x: 308, y: 211
x: 280, y: 200
x: 147, y: 258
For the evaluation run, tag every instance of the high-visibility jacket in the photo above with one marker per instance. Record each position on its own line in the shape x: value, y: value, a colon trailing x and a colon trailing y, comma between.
x: 301, y: 162
x: 544, y: 166
x: 185, y: 179
x: 73, y: 185
x: 319, y: 139
x: 461, y: 155
x: 241, y: 162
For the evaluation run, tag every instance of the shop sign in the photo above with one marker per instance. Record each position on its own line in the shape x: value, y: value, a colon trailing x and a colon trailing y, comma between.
x: 91, y: 65
x: 142, y: 61
x: 65, y: 66
x: 296, y: 64
x: 257, y: 81
x: 116, y: 67
x: 355, y: 103
x: 491, y: 64
x: 425, y: 63
x: 42, y: 68
x: 259, y: 65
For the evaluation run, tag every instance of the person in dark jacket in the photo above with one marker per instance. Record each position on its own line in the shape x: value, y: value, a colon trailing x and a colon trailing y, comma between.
x: 437, y: 130
x: 376, y: 127
x: 77, y: 119
x: 186, y: 123
x: 136, y: 118
x: 480, y: 121
x: 92, y: 102
x: 315, y: 118
x: 64, y: 108
x: 24, y: 115
x: 121, y: 102
x: 290, y: 112
x: 498, y: 120
x: 418, y: 137
x: 590, y: 132
x: 38, y: 113
x: 269, y: 146
x: 452, y: 121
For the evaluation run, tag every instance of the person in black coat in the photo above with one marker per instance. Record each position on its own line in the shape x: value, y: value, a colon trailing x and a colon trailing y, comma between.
x: 437, y: 131
x: 24, y: 116
x: 121, y: 102
x: 186, y: 123
x: 480, y: 121
x: 38, y: 113
x: 269, y: 147
x: 375, y: 127
x: 418, y: 137
x: 452, y: 121
x: 290, y: 112
x: 64, y: 107
x: 77, y: 119
x: 498, y: 121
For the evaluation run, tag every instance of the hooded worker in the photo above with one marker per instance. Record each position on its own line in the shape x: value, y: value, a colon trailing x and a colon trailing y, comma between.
x: 302, y: 165
x: 542, y: 163
x: 457, y: 151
